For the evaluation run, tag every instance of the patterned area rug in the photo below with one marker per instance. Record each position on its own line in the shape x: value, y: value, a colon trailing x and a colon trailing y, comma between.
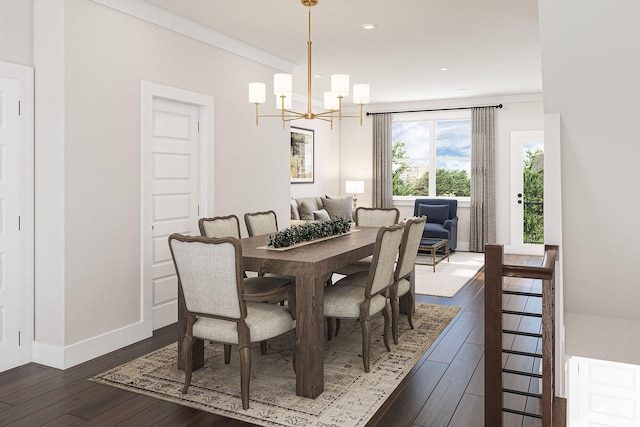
x: 350, y: 396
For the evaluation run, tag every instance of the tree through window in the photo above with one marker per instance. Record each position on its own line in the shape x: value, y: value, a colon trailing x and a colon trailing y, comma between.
x: 432, y: 155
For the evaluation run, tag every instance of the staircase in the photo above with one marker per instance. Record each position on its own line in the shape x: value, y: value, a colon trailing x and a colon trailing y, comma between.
x: 497, y: 334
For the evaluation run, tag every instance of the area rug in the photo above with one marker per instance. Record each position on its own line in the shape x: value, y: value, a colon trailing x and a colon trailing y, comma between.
x: 350, y: 398
x: 449, y: 277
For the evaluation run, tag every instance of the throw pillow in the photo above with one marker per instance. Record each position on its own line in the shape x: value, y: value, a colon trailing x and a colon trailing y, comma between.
x: 436, y: 214
x: 306, y: 210
x: 320, y: 215
x: 295, y: 215
x: 339, y: 206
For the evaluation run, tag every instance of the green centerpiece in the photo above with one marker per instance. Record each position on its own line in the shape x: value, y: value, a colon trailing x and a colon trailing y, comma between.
x: 308, y: 231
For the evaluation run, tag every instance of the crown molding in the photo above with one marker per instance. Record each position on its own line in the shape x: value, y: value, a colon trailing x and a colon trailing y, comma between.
x: 163, y: 18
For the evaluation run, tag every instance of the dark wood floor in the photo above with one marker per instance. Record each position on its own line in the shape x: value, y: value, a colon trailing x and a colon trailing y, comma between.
x: 445, y: 388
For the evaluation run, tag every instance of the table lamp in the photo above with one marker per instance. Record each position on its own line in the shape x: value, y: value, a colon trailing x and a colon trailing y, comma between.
x: 355, y: 187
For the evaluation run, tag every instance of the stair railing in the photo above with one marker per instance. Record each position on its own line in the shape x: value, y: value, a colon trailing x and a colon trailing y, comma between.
x: 495, y: 270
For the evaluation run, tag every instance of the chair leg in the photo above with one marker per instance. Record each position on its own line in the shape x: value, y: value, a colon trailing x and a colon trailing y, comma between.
x: 365, y: 325
x: 385, y: 335
x: 227, y: 354
x: 337, y: 327
x: 263, y: 347
x: 395, y: 312
x: 412, y: 303
x: 187, y: 348
x: 245, y: 374
x: 330, y: 327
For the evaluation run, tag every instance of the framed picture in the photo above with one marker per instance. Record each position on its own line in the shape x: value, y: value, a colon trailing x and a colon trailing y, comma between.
x: 301, y: 155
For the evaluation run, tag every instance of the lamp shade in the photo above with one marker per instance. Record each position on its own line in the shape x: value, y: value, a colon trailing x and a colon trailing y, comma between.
x: 331, y: 101
x: 282, y: 84
x: 257, y: 92
x: 361, y: 93
x: 340, y: 84
x: 354, y: 187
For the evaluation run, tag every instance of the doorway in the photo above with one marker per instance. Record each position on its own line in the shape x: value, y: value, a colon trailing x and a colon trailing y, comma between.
x: 16, y: 214
x: 177, y: 178
x: 527, y: 192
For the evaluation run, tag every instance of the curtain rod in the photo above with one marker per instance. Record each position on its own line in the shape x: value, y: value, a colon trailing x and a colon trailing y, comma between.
x: 434, y: 109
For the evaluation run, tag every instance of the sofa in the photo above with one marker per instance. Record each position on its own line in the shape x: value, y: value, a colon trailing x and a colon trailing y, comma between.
x: 318, y: 208
x: 442, y: 219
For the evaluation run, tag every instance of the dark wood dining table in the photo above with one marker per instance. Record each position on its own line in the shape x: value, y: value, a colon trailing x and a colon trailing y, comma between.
x: 311, y: 265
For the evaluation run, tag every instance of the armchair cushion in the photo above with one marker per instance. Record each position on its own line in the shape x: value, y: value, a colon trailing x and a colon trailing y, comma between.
x: 436, y: 214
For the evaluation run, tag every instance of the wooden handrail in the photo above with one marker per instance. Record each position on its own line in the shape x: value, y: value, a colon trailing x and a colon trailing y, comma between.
x: 495, y: 271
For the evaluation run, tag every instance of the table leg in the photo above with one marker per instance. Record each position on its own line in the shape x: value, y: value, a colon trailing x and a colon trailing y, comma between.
x: 309, y: 336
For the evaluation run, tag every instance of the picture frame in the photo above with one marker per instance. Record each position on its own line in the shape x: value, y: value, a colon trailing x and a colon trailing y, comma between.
x: 302, y: 155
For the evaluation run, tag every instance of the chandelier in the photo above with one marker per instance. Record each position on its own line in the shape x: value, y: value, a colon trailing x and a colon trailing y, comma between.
x: 282, y: 89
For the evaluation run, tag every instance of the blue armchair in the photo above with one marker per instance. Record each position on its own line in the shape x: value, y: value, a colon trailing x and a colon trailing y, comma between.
x: 442, y: 219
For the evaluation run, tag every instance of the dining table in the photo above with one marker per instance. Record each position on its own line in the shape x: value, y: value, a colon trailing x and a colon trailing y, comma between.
x: 312, y: 264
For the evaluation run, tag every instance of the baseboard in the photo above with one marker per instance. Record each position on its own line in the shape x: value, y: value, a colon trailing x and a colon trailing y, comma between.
x: 61, y: 357
x: 165, y: 314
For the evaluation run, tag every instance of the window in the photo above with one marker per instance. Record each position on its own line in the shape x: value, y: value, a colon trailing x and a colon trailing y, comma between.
x: 432, y: 154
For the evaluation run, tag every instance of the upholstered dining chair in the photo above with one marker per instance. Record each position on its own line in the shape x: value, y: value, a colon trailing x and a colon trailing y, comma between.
x: 210, y: 279
x: 401, y: 287
x: 258, y: 289
x: 376, y: 217
x: 263, y: 223
x: 220, y: 226
x: 370, y: 217
x: 364, y: 293
x: 259, y: 223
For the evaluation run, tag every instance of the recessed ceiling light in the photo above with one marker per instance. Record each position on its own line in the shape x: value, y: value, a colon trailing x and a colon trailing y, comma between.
x: 369, y: 26
x: 444, y: 69
x: 464, y: 89
x: 317, y: 76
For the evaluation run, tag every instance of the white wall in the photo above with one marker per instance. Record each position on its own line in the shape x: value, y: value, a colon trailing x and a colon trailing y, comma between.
x: 90, y: 62
x: 518, y: 113
x: 326, y: 159
x: 590, y: 78
x: 16, y: 31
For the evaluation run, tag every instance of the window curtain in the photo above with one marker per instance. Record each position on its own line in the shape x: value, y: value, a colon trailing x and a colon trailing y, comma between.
x: 382, y: 170
x: 483, y: 179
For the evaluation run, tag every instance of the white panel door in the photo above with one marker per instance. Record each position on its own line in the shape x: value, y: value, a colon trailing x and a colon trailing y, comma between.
x: 607, y: 394
x: 174, y: 190
x: 9, y: 223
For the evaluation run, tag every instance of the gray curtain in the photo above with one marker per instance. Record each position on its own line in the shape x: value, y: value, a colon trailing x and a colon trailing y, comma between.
x: 483, y: 179
x: 382, y: 170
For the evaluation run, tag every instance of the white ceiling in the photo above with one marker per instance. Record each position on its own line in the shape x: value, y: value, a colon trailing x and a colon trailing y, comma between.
x: 490, y: 47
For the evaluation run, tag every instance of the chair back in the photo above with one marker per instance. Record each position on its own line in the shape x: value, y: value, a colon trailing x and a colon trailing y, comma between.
x: 384, y: 257
x: 411, y: 237
x: 376, y: 217
x: 259, y: 223
x: 209, y: 275
x: 220, y: 226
